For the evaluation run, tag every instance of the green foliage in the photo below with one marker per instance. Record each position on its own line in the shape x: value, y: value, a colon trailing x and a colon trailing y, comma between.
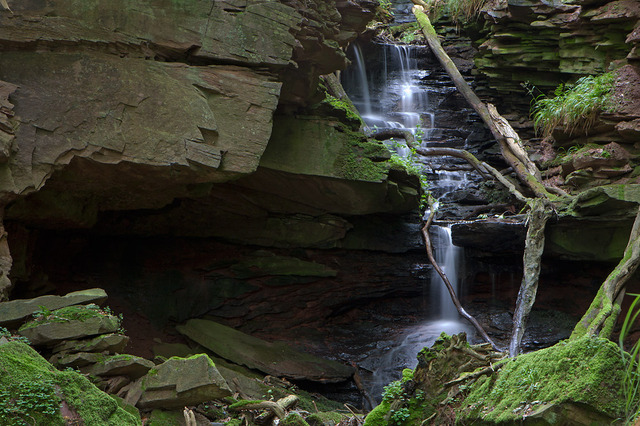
x: 409, y: 36
x: 573, y: 105
x: 69, y: 313
x: 400, y: 415
x: 7, y: 335
x: 460, y: 11
x: 385, y: 4
x: 392, y: 391
x: 631, y: 379
x: 411, y: 167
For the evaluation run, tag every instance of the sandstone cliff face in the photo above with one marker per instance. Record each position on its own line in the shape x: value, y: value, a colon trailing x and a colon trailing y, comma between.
x: 140, y: 106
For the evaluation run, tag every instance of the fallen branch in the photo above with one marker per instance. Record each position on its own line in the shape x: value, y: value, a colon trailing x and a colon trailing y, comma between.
x: 358, y: 381
x: 452, y: 293
x: 507, y: 138
x: 487, y: 370
x: 483, y: 168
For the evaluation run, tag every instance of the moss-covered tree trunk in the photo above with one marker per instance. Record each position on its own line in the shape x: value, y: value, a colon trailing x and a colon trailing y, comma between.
x: 534, y: 247
x: 602, y: 315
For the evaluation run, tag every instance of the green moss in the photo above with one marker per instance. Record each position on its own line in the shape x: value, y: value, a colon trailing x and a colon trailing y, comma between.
x: 377, y: 416
x: 584, y: 371
x: 69, y: 313
x: 294, y: 419
x: 245, y: 402
x: 344, y: 108
x: 165, y: 418
x: 323, y: 418
x: 22, y: 366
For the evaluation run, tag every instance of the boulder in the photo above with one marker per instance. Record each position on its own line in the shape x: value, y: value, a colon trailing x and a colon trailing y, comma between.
x: 15, y: 312
x: 277, y: 359
x: 77, y: 360
x: 73, y: 322
x: 120, y: 365
x: 110, y: 343
x: 182, y: 381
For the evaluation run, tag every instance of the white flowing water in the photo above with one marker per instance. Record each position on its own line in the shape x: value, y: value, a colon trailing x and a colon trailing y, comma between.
x: 394, y: 96
x: 397, y: 97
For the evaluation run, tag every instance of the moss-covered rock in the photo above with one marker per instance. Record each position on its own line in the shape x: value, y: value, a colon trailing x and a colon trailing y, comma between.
x: 14, y: 312
x: 182, y: 381
x: 578, y: 378
x: 294, y: 419
x: 277, y: 359
x: 72, y: 322
x: 326, y: 418
x: 33, y: 392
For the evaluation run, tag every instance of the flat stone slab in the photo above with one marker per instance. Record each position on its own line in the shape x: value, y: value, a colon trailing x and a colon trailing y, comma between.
x: 110, y: 343
x: 182, y: 381
x: 77, y: 360
x: 51, y: 333
x: 276, y: 359
x: 120, y: 365
x: 15, y: 312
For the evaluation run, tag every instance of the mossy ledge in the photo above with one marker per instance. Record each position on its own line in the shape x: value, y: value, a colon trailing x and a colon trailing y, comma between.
x: 585, y: 371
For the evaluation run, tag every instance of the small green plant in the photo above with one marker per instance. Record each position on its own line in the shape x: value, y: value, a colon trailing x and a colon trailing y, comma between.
x: 42, y: 311
x: 573, y: 106
x: 29, y: 403
x: 392, y: 391
x: 409, y: 36
x: 7, y: 335
x: 631, y: 381
x: 400, y: 415
x: 385, y: 4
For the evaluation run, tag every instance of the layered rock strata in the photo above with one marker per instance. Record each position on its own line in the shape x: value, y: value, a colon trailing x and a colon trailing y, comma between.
x: 198, y: 119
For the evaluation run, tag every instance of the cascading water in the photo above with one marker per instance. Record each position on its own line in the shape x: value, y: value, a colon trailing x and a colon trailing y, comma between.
x: 395, y: 95
x: 392, y: 96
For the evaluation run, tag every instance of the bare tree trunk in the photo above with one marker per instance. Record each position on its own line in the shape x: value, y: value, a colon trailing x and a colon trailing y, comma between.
x: 602, y: 315
x: 445, y: 279
x: 534, y: 246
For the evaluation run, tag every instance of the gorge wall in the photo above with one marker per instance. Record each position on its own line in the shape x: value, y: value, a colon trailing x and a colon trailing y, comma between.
x: 200, y: 119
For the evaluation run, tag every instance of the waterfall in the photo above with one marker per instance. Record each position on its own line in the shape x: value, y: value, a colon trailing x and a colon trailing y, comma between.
x: 365, y: 104
x: 393, y: 97
x: 398, y: 97
x: 451, y: 261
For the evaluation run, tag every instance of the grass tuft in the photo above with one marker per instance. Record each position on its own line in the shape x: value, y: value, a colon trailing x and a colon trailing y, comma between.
x: 631, y: 379
x: 574, y: 106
